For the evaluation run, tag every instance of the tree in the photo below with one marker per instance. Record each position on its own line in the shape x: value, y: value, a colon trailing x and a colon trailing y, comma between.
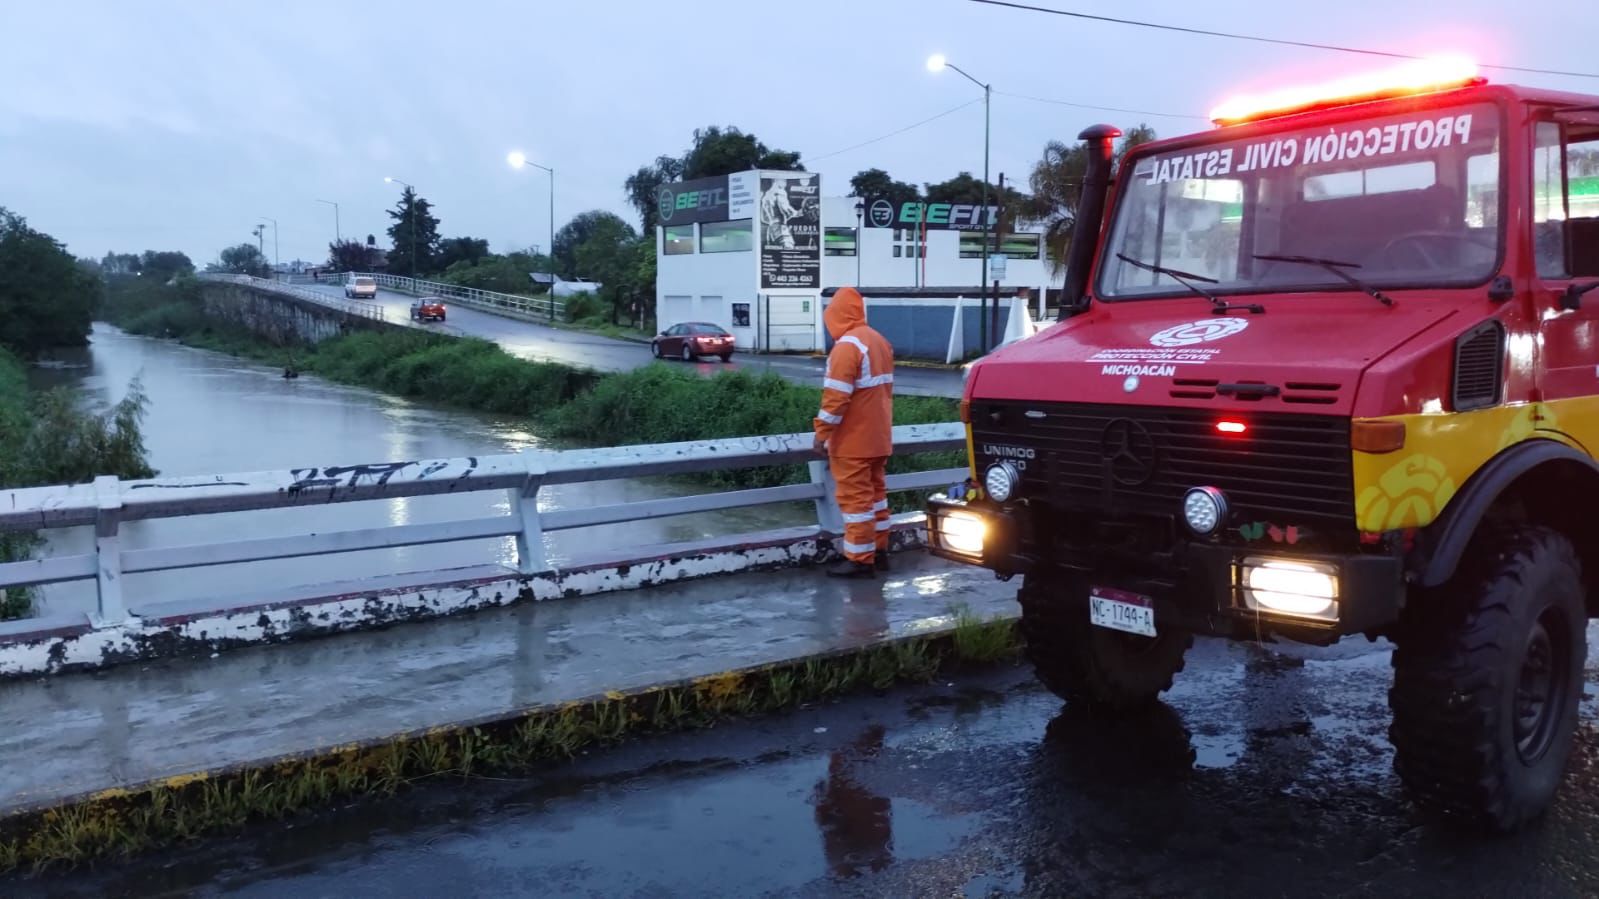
x: 243, y: 259
x: 576, y: 233
x: 46, y: 298
x: 414, y: 226
x: 461, y: 249
x: 1057, y: 185
x: 723, y: 151
x: 644, y: 185
x: 349, y: 256
x: 878, y: 183
x: 120, y: 263
x: 607, y: 255
x: 716, y: 151
x: 164, y: 265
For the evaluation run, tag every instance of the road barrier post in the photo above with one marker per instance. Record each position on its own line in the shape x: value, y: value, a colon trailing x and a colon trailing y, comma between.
x: 828, y: 515
x: 112, y: 609
x: 525, y: 502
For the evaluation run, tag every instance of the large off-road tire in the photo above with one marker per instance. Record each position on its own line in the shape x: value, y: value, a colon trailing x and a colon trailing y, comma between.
x: 1487, y: 676
x: 1082, y: 663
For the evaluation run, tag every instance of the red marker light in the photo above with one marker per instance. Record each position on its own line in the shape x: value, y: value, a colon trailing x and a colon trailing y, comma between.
x: 1412, y: 77
x: 1229, y: 426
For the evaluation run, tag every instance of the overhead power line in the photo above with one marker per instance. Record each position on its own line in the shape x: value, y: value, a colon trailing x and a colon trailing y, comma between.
x: 1145, y: 112
x: 1265, y: 40
x: 897, y: 131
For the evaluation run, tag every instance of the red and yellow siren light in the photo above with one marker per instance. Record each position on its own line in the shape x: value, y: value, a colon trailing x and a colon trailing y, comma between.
x: 1415, y: 77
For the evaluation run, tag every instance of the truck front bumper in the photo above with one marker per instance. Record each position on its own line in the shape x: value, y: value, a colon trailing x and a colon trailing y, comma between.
x: 1203, y: 587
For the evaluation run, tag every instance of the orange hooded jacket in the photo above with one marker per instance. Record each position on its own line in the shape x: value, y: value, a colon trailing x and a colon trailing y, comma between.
x: 857, y: 414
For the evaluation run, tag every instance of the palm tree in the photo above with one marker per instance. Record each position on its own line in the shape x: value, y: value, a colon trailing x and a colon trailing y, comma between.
x: 1057, y: 185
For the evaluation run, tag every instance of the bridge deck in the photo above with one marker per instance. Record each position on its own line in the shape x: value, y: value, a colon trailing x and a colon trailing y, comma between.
x: 69, y: 735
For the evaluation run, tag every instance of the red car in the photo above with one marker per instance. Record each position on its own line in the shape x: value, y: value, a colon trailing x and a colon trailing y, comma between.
x: 691, y: 340
x: 427, y: 309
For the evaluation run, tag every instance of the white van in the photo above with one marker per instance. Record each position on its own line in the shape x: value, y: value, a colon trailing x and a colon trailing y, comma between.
x: 356, y: 286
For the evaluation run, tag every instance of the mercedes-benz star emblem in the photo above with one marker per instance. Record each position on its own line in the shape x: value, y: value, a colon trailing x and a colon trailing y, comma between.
x: 1128, y: 450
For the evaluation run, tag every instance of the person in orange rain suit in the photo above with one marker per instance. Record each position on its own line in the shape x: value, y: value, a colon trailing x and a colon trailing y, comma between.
x: 854, y: 429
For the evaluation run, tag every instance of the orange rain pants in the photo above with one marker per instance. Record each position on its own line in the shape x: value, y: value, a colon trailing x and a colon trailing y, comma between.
x: 863, y: 498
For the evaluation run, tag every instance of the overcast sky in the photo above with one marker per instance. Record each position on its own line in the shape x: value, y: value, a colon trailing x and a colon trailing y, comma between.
x: 177, y: 125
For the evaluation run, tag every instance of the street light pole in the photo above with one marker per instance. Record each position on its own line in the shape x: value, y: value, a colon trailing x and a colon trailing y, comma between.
x: 410, y: 205
x: 937, y: 63
x: 860, y: 237
x: 518, y: 159
x: 338, y: 236
x: 277, y: 260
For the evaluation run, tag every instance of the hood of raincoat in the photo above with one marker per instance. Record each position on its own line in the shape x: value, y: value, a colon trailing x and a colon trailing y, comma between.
x: 845, y: 313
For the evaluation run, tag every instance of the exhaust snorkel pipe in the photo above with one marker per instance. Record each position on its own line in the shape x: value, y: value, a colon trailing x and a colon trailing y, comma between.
x: 1090, y: 212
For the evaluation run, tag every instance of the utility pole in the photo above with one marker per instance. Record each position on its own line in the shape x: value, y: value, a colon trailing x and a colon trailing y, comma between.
x: 518, y: 159
x: 410, y: 206
x: 338, y: 237
x: 277, y: 260
x: 993, y: 311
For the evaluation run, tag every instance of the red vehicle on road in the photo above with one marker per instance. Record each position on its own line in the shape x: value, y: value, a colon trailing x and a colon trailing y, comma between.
x: 427, y: 309
x: 1326, y: 370
x: 691, y: 340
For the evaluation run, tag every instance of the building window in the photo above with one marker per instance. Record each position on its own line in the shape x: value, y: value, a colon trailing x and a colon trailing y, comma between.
x: 679, y: 240
x: 839, y: 242
x: 726, y: 237
x: 1011, y: 246
x: 907, y: 246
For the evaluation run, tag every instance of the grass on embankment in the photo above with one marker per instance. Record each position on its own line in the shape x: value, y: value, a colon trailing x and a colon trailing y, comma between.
x: 659, y: 403
x: 119, y: 824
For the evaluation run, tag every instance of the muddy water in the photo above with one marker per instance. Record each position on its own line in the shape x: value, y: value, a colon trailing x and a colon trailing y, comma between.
x: 213, y: 414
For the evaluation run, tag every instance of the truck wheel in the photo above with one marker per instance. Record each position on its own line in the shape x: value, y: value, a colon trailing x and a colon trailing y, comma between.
x: 1083, y: 663
x: 1487, y: 675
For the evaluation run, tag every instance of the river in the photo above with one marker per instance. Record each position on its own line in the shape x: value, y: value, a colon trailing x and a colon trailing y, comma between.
x: 214, y: 414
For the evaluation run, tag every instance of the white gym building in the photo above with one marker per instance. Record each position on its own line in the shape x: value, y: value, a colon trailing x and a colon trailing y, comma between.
x: 755, y: 251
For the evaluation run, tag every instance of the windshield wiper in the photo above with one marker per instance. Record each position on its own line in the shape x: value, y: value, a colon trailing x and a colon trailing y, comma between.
x: 1218, y: 306
x: 1336, y: 268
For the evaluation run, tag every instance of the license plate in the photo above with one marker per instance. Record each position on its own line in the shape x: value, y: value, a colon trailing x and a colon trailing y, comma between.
x: 1121, y: 611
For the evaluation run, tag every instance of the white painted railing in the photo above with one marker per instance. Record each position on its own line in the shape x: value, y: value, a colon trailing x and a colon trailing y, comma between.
x: 353, y: 307
x: 108, y: 502
x: 507, y: 304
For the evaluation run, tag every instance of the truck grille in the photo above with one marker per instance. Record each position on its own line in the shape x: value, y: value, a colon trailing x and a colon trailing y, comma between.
x: 1287, y: 469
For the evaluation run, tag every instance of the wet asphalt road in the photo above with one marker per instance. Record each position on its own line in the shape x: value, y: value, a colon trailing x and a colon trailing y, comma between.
x: 543, y: 343
x: 1267, y: 774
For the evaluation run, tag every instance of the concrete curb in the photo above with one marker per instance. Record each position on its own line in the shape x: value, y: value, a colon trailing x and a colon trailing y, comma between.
x: 106, y: 814
x: 201, y: 628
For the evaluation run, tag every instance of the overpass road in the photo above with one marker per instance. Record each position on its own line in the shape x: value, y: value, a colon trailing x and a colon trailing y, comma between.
x: 1266, y: 773
x: 547, y: 344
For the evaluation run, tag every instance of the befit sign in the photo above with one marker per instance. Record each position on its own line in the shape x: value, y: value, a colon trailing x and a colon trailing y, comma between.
x: 686, y: 202
x: 884, y: 213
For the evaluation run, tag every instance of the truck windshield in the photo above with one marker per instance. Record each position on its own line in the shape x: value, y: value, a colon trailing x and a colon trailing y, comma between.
x: 1401, y: 200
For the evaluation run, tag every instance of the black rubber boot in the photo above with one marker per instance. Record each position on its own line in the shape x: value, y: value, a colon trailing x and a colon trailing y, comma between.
x: 850, y: 569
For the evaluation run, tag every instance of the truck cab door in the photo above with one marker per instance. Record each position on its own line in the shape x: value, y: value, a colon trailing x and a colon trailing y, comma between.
x: 1565, y: 243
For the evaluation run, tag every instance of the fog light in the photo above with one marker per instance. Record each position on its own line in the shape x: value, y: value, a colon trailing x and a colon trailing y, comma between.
x: 1205, y: 510
x: 1304, y: 589
x: 962, y: 532
x: 1001, y: 481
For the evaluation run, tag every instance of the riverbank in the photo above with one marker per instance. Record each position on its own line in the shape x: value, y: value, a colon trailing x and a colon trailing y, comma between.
x: 51, y: 438
x: 654, y: 404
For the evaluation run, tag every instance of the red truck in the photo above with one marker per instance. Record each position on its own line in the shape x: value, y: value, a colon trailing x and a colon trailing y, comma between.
x: 1330, y: 368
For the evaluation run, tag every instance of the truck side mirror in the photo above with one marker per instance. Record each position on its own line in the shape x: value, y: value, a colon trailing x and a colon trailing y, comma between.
x: 1572, y: 297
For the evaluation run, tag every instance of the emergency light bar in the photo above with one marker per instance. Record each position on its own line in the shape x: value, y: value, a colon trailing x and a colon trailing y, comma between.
x: 1416, y: 77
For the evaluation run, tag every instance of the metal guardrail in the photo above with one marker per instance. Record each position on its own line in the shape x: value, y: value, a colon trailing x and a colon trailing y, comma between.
x: 507, y: 304
x: 353, y: 307
x: 108, y: 502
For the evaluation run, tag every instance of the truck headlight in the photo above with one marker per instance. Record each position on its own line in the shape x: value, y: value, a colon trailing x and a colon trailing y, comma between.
x: 1205, y: 510
x: 1001, y: 481
x: 1291, y: 587
x: 962, y: 532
